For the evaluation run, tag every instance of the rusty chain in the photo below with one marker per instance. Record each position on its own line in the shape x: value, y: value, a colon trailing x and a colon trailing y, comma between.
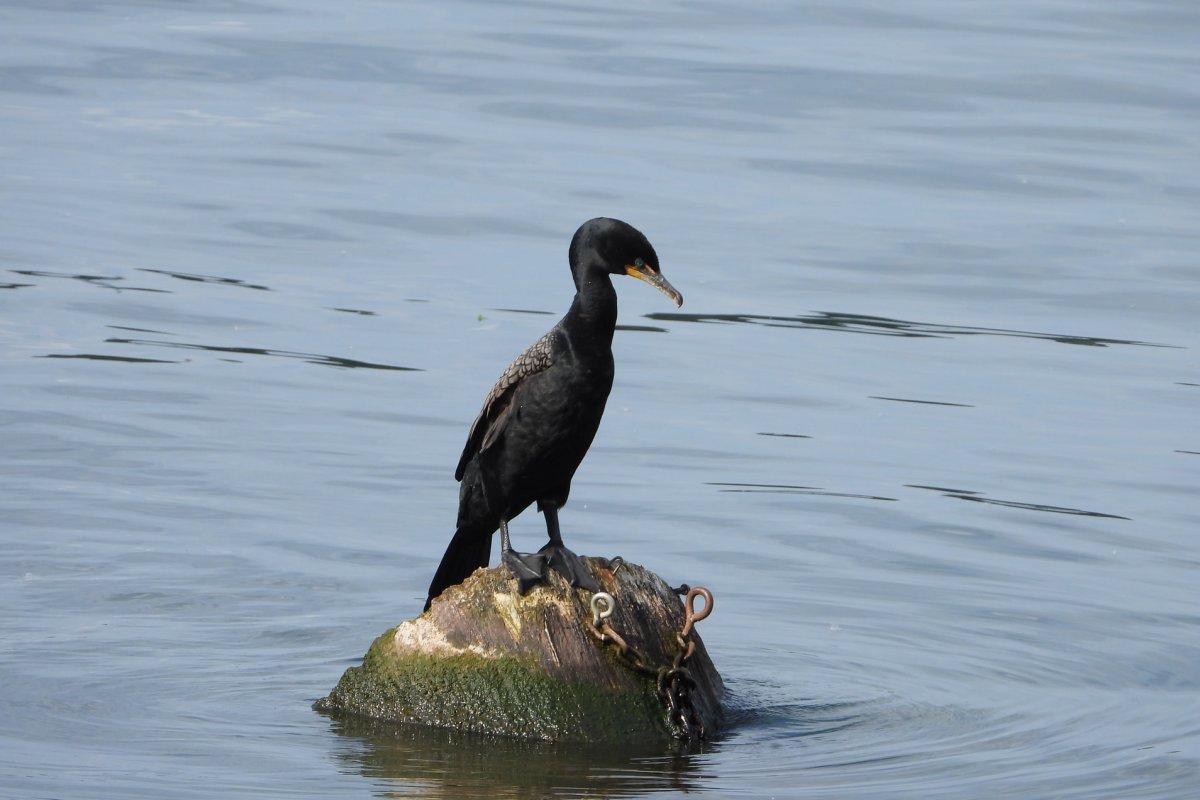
x: 674, y: 683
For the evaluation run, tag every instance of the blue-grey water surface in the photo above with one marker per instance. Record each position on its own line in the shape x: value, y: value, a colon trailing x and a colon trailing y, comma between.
x: 927, y: 424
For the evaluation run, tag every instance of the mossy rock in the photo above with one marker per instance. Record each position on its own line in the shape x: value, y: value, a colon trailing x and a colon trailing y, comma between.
x: 486, y: 659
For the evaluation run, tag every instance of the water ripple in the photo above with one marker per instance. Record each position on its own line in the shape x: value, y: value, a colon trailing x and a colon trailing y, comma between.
x: 885, y: 326
x: 194, y: 278
x: 311, y: 358
x: 976, y: 497
x: 103, y: 281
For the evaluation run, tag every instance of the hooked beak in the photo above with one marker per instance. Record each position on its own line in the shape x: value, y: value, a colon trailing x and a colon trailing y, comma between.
x: 656, y: 280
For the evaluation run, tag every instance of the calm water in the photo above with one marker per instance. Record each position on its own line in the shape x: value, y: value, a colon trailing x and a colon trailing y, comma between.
x: 927, y: 424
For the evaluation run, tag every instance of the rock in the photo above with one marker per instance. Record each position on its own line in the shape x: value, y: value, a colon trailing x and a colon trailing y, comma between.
x: 488, y: 660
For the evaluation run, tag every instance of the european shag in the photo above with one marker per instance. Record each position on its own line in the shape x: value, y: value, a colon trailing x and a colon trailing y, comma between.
x: 539, y: 419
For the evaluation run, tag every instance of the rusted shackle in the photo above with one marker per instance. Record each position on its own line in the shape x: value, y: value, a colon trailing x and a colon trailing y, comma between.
x: 693, y: 616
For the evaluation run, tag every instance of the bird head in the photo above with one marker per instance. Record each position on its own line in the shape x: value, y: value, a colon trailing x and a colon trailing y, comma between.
x: 618, y: 248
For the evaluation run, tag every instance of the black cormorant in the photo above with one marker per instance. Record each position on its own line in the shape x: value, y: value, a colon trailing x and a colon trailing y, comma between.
x: 539, y: 419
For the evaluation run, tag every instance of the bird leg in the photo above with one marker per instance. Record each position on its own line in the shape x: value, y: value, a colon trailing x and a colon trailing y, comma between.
x: 528, y: 568
x: 562, y: 560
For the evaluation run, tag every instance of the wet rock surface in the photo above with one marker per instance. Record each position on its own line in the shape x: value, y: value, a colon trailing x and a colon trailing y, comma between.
x: 486, y: 659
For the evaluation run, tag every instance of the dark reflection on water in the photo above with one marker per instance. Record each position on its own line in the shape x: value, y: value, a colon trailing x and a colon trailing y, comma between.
x: 523, y: 311
x: 976, y: 497
x: 883, y: 326
x: 921, y: 402
x: 311, y: 358
x: 187, y: 276
x: 98, y: 357
x: 642, y: 328
x: 139, y: 330
x: 783, y: 488
x: 415, y: 761
x: 103, y: 281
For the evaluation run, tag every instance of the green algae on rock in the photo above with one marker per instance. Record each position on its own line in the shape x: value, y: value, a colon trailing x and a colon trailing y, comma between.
x: 488, y: 660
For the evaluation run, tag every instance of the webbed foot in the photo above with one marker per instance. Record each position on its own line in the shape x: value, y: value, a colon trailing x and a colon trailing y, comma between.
x: 570, y: 566
x: 528, y: 568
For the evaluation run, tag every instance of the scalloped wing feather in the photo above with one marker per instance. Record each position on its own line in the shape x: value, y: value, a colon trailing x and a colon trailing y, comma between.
x: 489, y: 425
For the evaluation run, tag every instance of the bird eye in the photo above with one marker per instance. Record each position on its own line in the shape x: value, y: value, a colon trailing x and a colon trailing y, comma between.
x: 639, y: 263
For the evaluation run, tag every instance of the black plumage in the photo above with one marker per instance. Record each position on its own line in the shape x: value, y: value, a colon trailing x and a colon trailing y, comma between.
x: 539, y: 420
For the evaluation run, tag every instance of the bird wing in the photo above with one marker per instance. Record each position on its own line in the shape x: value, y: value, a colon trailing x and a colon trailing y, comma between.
x: 496, y: 407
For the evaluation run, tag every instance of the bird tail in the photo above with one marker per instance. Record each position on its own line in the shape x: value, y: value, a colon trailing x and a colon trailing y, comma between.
x: 468, y: 551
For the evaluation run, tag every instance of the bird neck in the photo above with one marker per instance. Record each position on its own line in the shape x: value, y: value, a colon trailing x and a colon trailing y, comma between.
x: 594, y: 310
